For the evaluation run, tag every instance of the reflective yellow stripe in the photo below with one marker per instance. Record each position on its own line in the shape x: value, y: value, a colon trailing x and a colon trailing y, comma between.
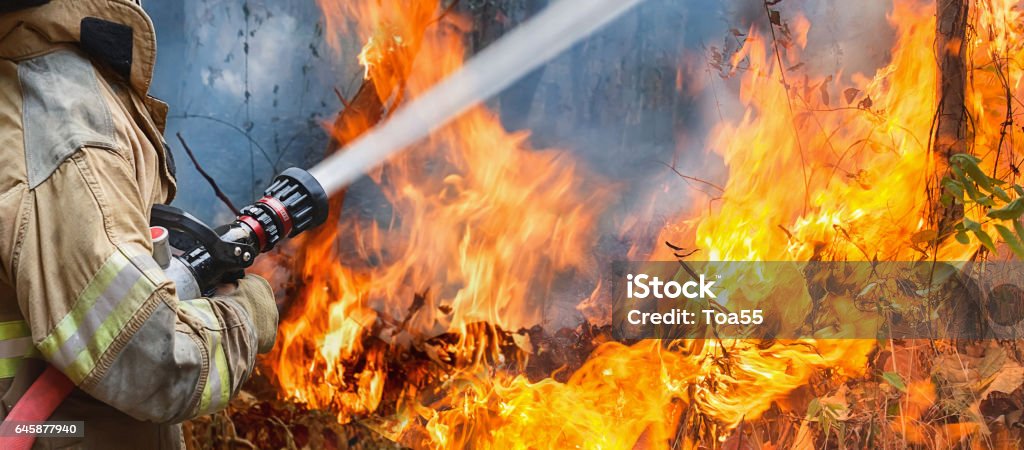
x: 15, y: 346
x: 9, y: 366
x: 118, y: 289
x: 14, y: 329
x: 217, y: 389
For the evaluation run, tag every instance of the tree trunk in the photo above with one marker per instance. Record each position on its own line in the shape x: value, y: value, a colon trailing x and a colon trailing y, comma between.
x: 950, y: 130
x: 951, y: 118
x: 950, y: 138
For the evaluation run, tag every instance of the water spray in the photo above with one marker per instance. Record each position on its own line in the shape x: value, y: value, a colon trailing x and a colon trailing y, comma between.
x: 496, y: 67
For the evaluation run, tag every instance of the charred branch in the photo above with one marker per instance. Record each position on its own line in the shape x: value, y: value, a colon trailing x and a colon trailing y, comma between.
x: 206, y: 176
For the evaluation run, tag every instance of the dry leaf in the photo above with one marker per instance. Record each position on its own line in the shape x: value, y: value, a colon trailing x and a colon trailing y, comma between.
x: 1006, y: 380
x: 523, y: 342
x: 850, y: 94
x: 993, y: 361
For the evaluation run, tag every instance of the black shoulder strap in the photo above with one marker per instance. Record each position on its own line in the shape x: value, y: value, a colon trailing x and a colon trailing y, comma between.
x: 109, y: 42
x: 14, y: 5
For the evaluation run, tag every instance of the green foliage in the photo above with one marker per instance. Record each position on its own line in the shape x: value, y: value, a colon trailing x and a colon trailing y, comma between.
x: 895, y: 380
x: 832, y: 413
x: 1001, y: 202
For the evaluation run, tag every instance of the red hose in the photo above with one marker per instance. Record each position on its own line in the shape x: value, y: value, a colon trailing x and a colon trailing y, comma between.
x: 37, y: 405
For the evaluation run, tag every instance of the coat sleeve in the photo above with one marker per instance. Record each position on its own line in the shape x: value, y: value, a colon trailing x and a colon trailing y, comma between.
x: 101, y: 310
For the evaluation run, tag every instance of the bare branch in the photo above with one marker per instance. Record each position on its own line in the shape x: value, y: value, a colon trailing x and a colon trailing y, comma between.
x: 213, y: 184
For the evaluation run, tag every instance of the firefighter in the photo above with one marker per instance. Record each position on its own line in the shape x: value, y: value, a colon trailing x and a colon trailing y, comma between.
x: 82, y: 161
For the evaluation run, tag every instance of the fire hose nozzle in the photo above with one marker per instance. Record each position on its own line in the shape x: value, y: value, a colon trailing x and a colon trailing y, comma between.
x: 204, y: 257
x: 294, y: 202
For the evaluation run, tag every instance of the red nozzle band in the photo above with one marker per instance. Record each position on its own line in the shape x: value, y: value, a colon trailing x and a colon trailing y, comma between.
x: 257, y: 228
x: 281, y: 211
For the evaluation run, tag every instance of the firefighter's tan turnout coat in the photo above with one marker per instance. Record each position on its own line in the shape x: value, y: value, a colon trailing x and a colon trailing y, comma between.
x: 82, y: 161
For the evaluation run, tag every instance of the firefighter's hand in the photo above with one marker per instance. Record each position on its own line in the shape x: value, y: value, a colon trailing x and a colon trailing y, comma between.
x: 256, y: 296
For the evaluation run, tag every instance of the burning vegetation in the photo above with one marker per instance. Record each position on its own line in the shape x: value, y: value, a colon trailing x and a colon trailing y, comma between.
x: 430, y: 326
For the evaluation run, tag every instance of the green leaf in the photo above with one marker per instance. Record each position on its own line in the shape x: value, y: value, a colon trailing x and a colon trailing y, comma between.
x: 882, y: 336
x: 954, y: 187
x: 959, y: 174
x: 978, y: 176
x: 826, y: 422
x: 1000, y: 193
x: 969, y: 163
x: 946, y: 199
x: 962, y: 237
x: 971, y: 225
x: 985, y: 239
x: 1011, y: 240
x: 964, y: 157
x: 813, y: 408
x: 1012, y: 210
x: 972, y: 190
x: 896, y: 380
x: 892, y: 409
x: 1019, y: 190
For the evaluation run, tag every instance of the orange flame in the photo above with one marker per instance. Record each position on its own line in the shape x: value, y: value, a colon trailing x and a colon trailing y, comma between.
x: 812, y: 173
x: 820, y: 167
x: 483, y: 225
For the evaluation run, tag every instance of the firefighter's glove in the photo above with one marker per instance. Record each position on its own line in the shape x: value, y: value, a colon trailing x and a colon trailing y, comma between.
x: 256, y: 296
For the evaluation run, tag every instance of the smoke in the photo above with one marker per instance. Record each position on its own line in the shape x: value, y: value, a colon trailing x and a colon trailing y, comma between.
x: 636, y: 102
x: 249, y: 85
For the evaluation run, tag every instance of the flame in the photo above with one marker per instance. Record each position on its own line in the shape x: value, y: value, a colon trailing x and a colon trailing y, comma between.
x: 484, y: 227
x: 810, y: 172
x: 836, y: 178
x: 997, y: 51
x: 624, y: 395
